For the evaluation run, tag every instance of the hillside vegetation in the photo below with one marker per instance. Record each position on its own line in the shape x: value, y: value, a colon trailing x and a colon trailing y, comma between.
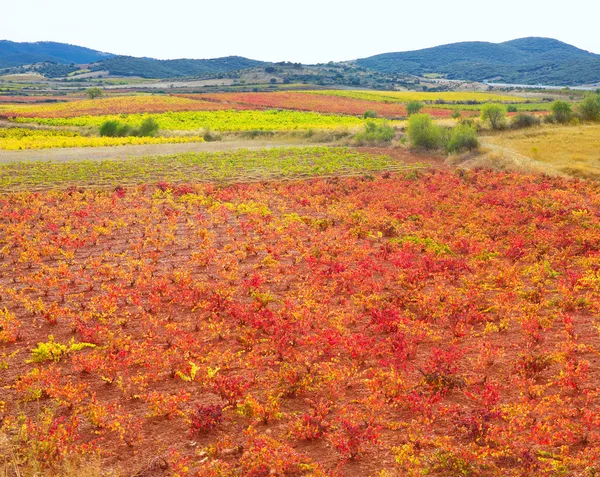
x: 526, y: 60
x: 151, y: 68
x: 17, y: 54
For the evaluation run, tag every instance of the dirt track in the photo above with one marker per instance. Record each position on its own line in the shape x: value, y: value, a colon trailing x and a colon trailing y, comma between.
x: 123, y: 152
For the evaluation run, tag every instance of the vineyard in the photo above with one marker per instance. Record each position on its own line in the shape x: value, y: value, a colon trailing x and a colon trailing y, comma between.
x: 320, y: 103
x: 14, y: 139
x: 408, y: 96
x: 272, y: 120
x: 241, y: 165
x: 440, y: 323
x: 115, y: 105
x: 228, y: 113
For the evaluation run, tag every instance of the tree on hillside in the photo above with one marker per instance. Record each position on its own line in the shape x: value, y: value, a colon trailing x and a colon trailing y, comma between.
x: 94, y: 93
x: 495, y: 114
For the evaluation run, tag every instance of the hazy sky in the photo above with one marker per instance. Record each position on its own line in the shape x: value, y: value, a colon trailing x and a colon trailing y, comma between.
x: 308, y: 31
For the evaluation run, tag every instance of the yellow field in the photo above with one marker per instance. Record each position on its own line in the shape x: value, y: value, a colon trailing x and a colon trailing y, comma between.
x: 573, y: 150
x: 223, y: 121
x: 408, y: 96
x: 15, y: 139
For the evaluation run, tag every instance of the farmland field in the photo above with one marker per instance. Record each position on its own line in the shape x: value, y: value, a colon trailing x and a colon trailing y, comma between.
x: 320, y: 103
x: 407, y: 96
x: 295, y: 311
x: 282, y: 163
x: 114, y: 105
x: 14, y: 139
x: 520, y: 107
x: 216, y: 120
x: 419, y: 322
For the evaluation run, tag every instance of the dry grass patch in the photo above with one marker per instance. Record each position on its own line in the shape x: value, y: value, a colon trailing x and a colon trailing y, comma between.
x: 573, y: 150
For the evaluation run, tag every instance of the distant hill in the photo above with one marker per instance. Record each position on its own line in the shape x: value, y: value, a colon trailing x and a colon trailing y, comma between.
x: 523, y: 61
x: 151, y: 68
x: 17, y: 54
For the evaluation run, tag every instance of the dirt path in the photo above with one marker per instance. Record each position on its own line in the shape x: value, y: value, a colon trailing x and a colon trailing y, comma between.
x: 124, y: 152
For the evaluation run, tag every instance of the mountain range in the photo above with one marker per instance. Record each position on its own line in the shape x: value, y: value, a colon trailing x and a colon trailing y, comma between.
x: 524, y: 61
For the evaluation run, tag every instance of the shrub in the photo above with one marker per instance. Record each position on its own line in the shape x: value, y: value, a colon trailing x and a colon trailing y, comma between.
x: 522, y: 120
x: 495, y: 114
x: 511, y: 108
x: 375, y: 133
x: 125, y: 130
x: 109, y: 129
x: 456, y: 114
x: 413, y: 107
x: 422, y: 132
x: 589, y: 109
x: 149, y: 128
x: 462, y: 137
x: 370, y: 114
x: 562, y: 111
x: 114, y: 128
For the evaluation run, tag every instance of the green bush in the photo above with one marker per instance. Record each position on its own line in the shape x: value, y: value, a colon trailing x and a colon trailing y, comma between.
x: 125, y: 130
x: 422, y: 132
x: 370, y: 114
x: 109, y: 129
x: 114, y: 128
x: 511, y: 108
x: 494, y: 114
x: 521, y: 121
x: 562, y: 111
x: 589, y: 109
x: 413, y: 107
x: 149, y: 128
x: 462, y: 137
x: 375, y: 133
x: 456, y: 114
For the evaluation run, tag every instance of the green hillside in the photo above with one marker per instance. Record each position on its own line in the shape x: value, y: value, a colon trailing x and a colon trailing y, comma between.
x: 17, y: 54
x: 526, y: 61
x: 150, y: 68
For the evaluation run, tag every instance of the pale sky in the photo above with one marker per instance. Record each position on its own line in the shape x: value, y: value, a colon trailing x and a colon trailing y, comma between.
x: 308, y: 31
